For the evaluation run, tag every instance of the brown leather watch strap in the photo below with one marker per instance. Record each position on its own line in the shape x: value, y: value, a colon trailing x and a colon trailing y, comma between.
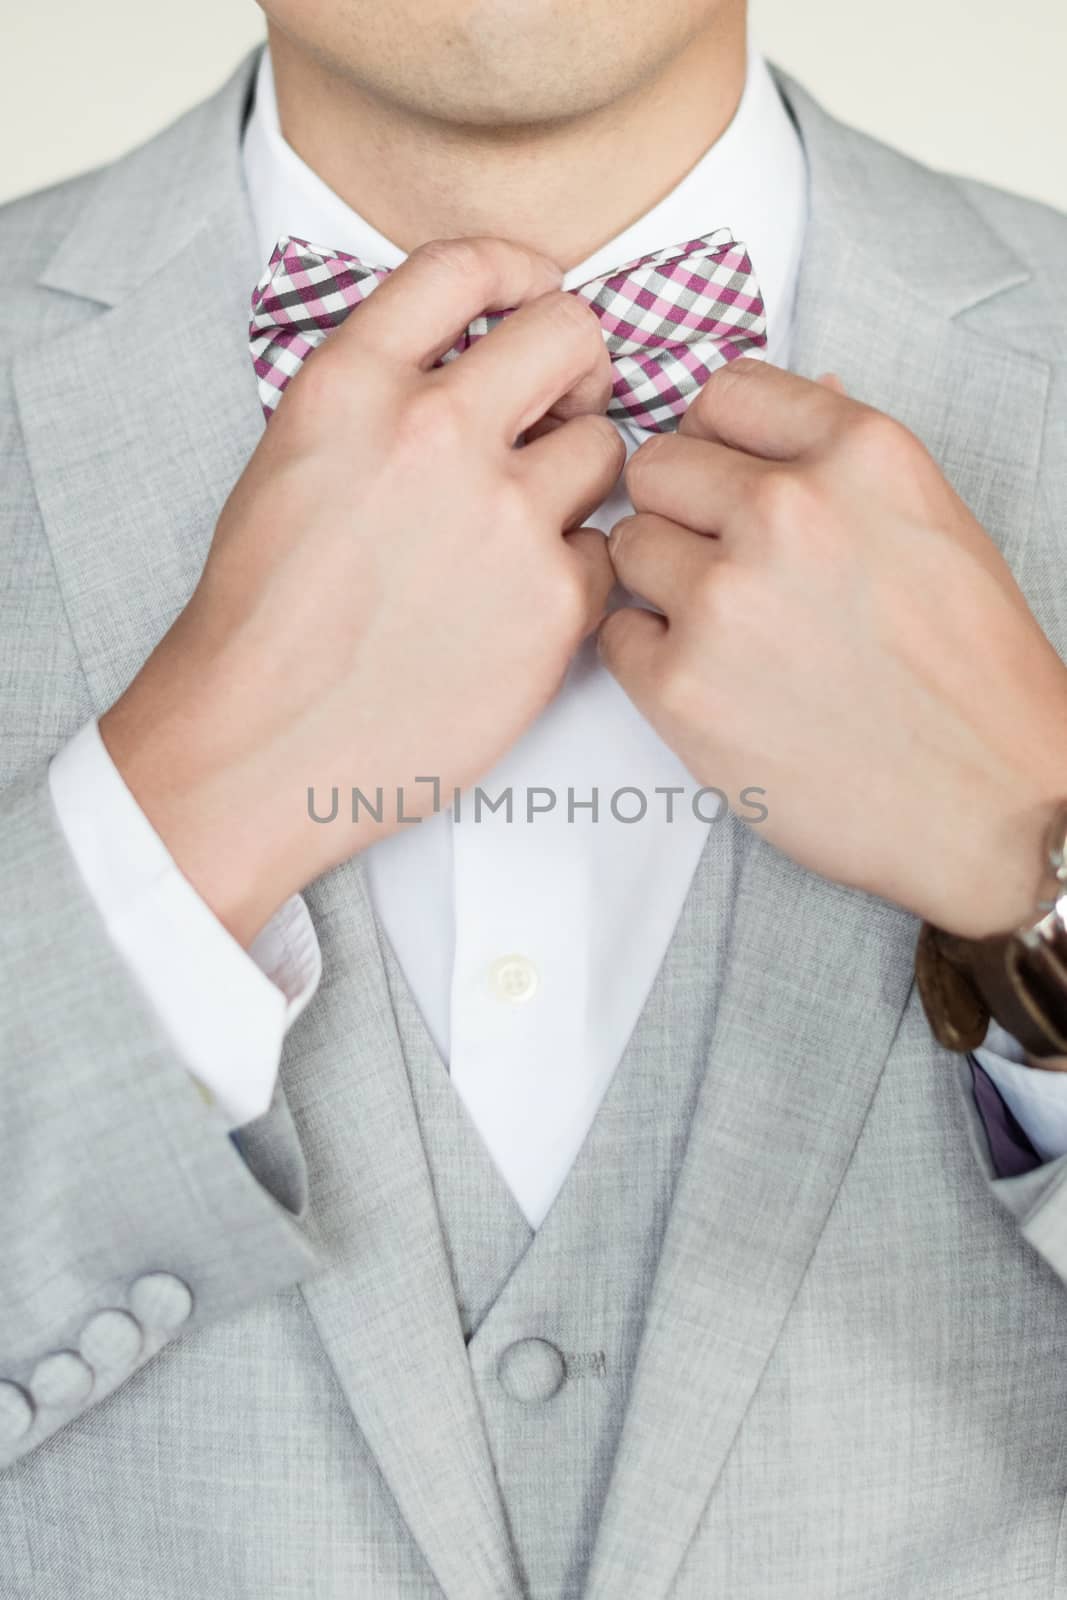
x: 1019, y: 979
x: 965, y: 982
x: 957, y: 1013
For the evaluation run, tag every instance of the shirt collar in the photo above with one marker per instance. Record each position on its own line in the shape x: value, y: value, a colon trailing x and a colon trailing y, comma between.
x: 752, y: 180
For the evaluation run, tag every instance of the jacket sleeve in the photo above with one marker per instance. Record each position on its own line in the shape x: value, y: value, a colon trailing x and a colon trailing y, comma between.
x: 127, y: 1213
x: 225, y: 1009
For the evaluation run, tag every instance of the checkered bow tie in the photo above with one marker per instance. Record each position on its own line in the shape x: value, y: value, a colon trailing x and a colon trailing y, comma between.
x: 669, y: 319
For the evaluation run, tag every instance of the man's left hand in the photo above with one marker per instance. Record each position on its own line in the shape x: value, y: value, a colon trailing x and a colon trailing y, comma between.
x: 838, y: 630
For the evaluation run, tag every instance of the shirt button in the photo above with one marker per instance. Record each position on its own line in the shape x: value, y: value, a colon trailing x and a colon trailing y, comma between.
x: 514, y: 979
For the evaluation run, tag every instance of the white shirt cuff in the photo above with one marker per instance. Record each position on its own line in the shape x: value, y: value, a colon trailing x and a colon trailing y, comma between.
x: 1037, y: 1099
x: 226, y: 1010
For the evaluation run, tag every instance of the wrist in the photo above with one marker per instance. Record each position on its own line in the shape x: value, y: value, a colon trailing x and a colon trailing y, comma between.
x: 990, y: 871
x: 206, y: 815
x: 999, y: 886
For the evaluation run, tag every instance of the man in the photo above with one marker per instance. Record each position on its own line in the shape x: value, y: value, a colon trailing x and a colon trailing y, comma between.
x: 612, y: 1222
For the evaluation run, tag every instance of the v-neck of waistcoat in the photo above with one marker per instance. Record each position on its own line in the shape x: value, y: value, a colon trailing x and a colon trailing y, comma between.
x: 650, y: 1097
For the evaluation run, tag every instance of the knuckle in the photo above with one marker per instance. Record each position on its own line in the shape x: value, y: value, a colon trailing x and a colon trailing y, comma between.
x: 599, y: 574
x: 727, y: 597
x: 743, y: 369
x: 709, y: 586
x: 618, y: 641
x: 620, y: 535
x: 624, y: 542
x: 703, y: 404
x: 605, y: 441
x: 430, y: 421
x: 881, y: 438
x: 679, y: 689
x: 573, y: 316
x: 738, y: 595
x: 608, y: 639
x: 784, y: 499
x: 612, y: 637
x: 319, y: 389
x: 461, y: 257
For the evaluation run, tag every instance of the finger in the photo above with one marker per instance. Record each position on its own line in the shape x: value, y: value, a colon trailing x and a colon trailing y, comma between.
x: 830, y: 380
x: 692, y: 481
x: 630, y: 643
x: 574, y: 467
x: 590, y: 550
x: 550, y: 355
x: 659, y: 560
x: 422, y: 308
x: 753, y: 406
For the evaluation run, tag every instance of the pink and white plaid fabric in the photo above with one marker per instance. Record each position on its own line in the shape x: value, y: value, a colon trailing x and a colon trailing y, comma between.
x: 669, y: 319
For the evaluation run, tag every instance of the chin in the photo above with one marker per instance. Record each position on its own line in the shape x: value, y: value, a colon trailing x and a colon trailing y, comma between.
x: 492, y: 63
x: 504, y: 104
x: 520, y: 88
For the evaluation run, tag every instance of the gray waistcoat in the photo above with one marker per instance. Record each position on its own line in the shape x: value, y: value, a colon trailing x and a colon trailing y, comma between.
x: 552, y: 1319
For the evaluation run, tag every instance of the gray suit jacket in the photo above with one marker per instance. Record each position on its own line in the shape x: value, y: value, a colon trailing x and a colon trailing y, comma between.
x: 852, y: 1380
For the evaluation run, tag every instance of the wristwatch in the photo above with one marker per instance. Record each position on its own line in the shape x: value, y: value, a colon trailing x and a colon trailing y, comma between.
x: 1018, y: 979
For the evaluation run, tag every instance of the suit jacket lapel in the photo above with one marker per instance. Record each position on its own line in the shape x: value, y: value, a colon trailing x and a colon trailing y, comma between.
x: 817, y: 976
x: 137, y: 423
x: 895, y: 260
x: 386, y: 1309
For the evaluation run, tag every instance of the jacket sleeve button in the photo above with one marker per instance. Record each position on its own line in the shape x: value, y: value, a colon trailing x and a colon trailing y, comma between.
x: 16, y: 1412
x: 61, y: 1379
x: 161, y: 1301
x: 111, y: 1342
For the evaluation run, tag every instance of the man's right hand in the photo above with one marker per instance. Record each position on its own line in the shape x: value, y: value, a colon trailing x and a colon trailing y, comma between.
x: 393, y: 590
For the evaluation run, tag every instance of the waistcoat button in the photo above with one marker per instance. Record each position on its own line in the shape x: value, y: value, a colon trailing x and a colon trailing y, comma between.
x: 532, y: 1370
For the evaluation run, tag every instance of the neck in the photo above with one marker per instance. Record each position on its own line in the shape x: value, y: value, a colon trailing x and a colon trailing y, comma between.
x: 563, y: 188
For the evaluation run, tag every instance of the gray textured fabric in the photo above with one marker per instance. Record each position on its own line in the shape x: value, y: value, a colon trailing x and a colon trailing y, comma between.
x: 850, y: 1380
x: 556, y: 1317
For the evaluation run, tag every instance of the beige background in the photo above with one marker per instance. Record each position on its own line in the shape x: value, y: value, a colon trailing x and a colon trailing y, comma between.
x: 973, y: 85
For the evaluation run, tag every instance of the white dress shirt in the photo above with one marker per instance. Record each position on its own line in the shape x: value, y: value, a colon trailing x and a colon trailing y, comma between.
x: 530, y: 943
